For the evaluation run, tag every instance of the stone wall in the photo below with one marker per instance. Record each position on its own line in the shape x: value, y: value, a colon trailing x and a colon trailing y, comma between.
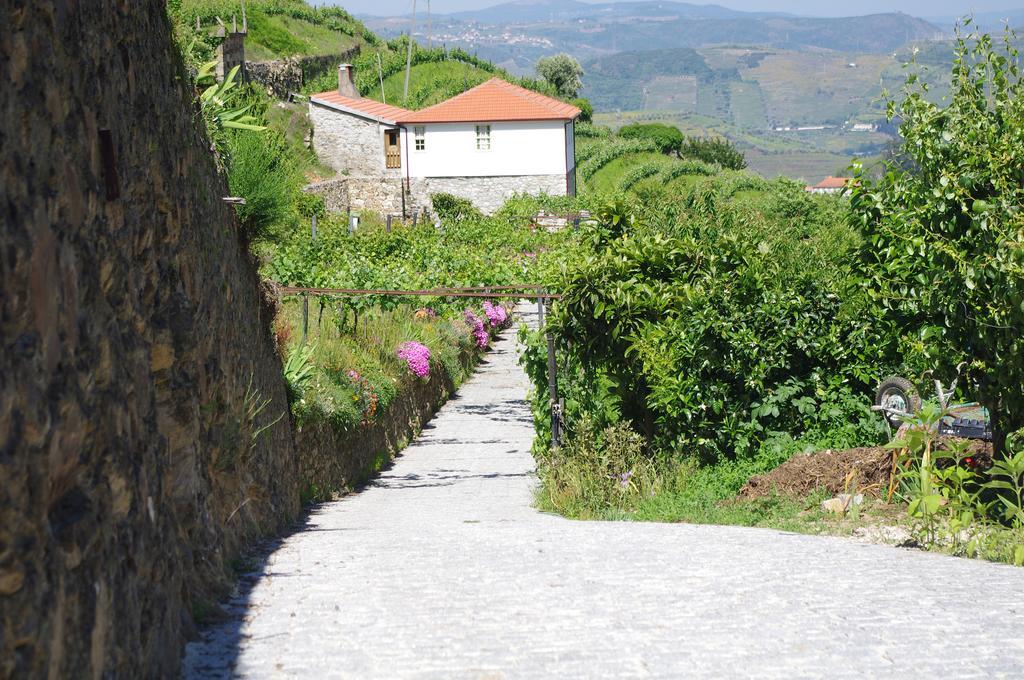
x: 332, y: 462
x: 381, y: 195
x: 284, y: 76
x: 135, y: 352
x: 487, y: 193
x: 334, y: 193
x: 349, y: 144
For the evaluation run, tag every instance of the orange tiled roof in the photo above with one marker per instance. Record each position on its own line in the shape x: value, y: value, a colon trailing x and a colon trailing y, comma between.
x: 494, y: 100
x: 367, y: 107
x: 832, y: 183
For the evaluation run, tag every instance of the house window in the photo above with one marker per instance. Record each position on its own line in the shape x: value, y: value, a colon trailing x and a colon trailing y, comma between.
x: 419, y: 133
x: 483, y: 137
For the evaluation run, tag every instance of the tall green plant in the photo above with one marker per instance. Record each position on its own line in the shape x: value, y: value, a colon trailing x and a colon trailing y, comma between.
x: 223, y: 108
x: 944, y: 240
x: 263, y: 170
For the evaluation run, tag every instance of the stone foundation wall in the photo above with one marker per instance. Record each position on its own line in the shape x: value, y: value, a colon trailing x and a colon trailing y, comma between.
x: 487, y: 193
x: 334, y: 193
x: 381, y: 195
x: 137, y: 364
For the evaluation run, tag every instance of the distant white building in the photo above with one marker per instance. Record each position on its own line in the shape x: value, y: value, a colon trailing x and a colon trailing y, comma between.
x: 486, y: 144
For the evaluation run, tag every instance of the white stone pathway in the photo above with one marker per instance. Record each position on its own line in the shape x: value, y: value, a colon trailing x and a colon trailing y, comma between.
x: 442, y: 569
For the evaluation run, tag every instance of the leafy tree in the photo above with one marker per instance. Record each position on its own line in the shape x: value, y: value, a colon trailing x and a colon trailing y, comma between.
x: 719, y: 151
x: 563, y: 72
x: 944, y: 230
x: 666, y: 137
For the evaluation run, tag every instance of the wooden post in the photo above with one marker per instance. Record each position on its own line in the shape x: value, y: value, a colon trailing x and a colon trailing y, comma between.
x: 556, y: 424
x: 415, y: 217
x: 349, y: 217
x: 387, y: 227
x: 540, y: 312
x: 314, y: 226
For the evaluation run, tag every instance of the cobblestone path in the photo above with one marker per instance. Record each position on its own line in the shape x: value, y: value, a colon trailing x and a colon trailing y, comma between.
x: 441, y: 569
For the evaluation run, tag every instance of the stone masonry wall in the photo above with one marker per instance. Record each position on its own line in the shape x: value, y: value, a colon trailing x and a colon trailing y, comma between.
x: 137, y: 366
x: 283, y: 76
x: 381, y: 195
x: 488, y: 193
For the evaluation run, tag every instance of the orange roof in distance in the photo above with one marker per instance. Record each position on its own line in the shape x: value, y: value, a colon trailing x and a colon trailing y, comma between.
x: 369, y: 107
x: 494, y: 100
x: 833, y: 183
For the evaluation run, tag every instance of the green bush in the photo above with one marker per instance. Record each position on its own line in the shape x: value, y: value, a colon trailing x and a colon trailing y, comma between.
x: 586, y: 110
x: 597, y: 470
x: 638, y: 173
x: 666, y: 138
x: 609, y: 152
x: 262, y: 171
x: 687, y: 167
x: 710, y: 326
x: 451, y: 207
x: 719, y: 151
x: 587, y: 130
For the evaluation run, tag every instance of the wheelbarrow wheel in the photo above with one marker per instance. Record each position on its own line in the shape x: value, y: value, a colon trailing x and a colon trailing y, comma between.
x: 900, y: 394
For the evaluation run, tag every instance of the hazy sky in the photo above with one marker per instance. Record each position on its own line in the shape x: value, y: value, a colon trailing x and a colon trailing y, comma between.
x: 928, y: 8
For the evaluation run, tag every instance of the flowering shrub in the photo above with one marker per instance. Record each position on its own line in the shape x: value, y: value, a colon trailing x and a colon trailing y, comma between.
x: 496, y: 314
x: 365, y: 397
x: 476, y: 325
x: 417, y: 357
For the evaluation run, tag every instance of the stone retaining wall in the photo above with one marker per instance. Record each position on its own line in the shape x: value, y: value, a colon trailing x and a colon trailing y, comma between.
x: 144, y: 436
x: 284, y: 76
x: 331, y: 462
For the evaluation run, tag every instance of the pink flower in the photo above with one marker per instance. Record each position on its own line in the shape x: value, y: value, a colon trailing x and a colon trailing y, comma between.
x: 476, y: 325
x: 496, y: 314
x: 417, y: 357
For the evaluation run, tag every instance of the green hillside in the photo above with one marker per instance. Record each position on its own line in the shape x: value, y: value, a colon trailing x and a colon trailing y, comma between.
x: 436, y: 74
x: 278, y: 28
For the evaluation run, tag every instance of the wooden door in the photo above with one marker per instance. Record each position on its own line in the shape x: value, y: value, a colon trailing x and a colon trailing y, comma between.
x: 392, y: 149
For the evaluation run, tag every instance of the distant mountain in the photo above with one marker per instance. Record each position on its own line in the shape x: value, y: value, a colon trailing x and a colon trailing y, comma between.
x: 989, y: 22
x: 534, y: 11
x: 516, y: 34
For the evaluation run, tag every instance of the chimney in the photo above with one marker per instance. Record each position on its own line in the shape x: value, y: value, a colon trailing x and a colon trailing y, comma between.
x: 347, y: 82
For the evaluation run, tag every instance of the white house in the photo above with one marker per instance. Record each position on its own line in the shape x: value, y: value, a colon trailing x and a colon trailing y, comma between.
x: 490, y: 142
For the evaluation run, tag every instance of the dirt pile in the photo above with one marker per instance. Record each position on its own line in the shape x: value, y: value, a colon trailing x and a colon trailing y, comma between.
x: 863, y: 469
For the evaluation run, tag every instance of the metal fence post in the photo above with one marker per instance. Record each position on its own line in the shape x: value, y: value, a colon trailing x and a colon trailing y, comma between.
x: 415, y: 217
x: 540, y: 312
x: 305, y: 318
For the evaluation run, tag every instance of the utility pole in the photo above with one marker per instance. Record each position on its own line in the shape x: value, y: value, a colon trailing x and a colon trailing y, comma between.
x: 408, y: 55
